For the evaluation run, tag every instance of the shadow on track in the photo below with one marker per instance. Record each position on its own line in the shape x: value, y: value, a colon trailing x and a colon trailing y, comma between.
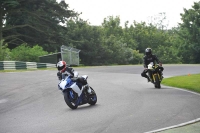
x: 83, y: 107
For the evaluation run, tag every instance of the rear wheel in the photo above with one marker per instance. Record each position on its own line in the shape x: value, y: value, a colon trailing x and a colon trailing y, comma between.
x: 70, y: 99
x: 92, y: 99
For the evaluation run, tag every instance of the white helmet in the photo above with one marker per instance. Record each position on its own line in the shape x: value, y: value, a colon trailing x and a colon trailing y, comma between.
x: 61, y: 66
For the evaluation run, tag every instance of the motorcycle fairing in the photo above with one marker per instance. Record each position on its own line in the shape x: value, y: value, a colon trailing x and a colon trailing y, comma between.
x: 65, y: 83
x: 150, y: 66
x: 68, y: 83
x: 76, y: 89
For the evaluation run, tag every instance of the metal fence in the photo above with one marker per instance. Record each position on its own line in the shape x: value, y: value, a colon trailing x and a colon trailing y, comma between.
x: 70, y: 55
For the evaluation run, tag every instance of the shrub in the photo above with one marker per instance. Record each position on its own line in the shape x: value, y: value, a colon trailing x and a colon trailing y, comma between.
x: 26, y: 53
x: 137, y: 57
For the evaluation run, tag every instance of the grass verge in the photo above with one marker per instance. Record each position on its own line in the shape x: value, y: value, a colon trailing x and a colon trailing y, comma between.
x: 190, y: 82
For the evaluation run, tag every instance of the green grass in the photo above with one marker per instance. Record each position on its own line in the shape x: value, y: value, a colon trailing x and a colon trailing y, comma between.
x: 190, y: 82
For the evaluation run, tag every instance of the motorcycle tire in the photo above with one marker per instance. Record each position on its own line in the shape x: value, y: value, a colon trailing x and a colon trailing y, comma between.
x: 68, y: 101
x: 92, y: 97
x: 157, y: 82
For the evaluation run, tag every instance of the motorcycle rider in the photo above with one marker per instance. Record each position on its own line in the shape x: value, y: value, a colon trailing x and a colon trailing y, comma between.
x: 148, y: 58
x: 64, y: 70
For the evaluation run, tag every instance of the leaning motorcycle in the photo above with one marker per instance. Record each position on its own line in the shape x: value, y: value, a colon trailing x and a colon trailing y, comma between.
x: 76, y: 93
x: 154, y: 74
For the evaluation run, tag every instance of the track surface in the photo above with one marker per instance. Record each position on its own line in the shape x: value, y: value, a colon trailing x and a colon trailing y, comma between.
x: 31, y: 103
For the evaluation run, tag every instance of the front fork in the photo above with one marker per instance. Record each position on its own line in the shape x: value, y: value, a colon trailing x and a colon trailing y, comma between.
x: 87, y: 88
x: 154, y: 79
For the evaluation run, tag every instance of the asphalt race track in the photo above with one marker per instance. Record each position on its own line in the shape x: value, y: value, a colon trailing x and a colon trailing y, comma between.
x: 30, y: 102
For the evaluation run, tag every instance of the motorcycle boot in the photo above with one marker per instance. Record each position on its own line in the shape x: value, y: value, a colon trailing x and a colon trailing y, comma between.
x: 148, y: 79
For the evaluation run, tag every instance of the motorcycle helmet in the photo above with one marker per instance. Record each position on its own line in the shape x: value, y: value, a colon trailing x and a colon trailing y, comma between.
x: 148, y: 51
x: 61, y: 66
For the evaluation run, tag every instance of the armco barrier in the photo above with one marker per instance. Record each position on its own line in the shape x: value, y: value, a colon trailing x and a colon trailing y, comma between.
x: 15, y: 65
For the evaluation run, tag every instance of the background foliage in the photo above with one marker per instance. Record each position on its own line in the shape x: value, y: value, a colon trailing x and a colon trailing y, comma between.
x: 26, y: 53
x: 33, y: 28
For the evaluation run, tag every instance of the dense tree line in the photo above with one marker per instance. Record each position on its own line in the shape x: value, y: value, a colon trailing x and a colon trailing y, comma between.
x: 44, y: 25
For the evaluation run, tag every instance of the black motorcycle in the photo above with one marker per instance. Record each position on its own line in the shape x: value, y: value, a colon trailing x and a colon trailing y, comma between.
x: 154, y: 73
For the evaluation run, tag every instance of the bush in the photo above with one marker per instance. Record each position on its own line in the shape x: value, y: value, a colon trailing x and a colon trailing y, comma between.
x: 26, y: 53
x: 137, y: 57
x: 4, y: 51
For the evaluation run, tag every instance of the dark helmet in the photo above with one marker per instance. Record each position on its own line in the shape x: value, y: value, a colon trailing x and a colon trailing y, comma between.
x: 148, y: 51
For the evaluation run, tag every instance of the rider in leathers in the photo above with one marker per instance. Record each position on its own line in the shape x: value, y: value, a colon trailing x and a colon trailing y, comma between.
x: 64, y: 70
x: 148, y: 58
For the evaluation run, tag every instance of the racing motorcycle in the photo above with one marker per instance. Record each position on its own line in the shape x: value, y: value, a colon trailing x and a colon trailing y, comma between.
x: 77, y: 91
x: 154, y: 75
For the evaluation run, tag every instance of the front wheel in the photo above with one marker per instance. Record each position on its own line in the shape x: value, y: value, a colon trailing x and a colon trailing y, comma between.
x: 92, y: 99
x: 69, y: 99
x: 157, y: 82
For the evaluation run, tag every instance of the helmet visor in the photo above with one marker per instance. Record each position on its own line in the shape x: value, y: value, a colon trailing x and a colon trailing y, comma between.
x: 148, y: 53
x: 60, y: 68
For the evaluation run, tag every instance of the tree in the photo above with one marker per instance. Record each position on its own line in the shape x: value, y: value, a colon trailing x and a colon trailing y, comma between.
x: 148, y: 36
x: 128, y: 35
x: 6, y: 7
x: 190, y: 33
x: 86, y: 38
x: 34, y: 22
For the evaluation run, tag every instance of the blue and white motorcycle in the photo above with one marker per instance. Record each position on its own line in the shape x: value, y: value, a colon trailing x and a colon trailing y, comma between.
x: 77, y: 91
